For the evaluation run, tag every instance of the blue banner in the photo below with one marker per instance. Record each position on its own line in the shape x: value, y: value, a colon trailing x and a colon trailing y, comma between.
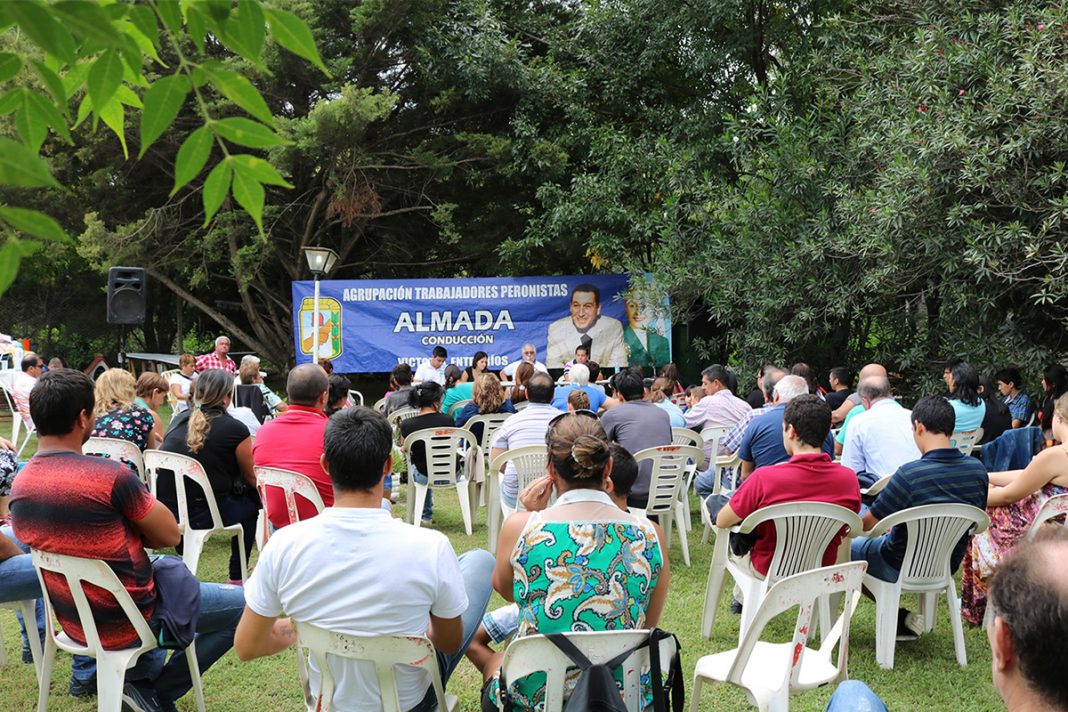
x: 368, y: 326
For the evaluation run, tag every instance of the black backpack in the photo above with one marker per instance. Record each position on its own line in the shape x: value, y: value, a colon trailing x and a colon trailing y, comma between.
x: 596, y: 689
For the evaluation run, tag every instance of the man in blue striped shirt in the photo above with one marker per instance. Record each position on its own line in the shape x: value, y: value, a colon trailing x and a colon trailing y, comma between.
x: 942, y: 475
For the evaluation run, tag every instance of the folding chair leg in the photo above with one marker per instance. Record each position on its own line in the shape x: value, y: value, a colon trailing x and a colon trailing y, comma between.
x: 682, y: 519
x: 45, y: 680
x: 194, y: 675
x: 695, y: 696
x: 958, y: 627
x: 462, y: 488
x: 420, y: 500
x: 192, y: 546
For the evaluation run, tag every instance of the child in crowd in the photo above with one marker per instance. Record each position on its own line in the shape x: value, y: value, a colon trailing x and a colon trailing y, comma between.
x: 577, y: 400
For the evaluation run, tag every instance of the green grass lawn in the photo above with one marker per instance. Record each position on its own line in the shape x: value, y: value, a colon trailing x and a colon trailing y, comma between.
x: 926, y: 675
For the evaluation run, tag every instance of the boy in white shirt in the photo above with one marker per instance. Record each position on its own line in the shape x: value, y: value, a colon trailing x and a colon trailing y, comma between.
x: 434, y: 368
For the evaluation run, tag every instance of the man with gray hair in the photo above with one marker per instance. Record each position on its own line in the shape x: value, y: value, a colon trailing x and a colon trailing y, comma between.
x: 580, y: 381
x: 219, y: 358
x: 762, y: 444
x: 879, y: 439
x: 530, y: 355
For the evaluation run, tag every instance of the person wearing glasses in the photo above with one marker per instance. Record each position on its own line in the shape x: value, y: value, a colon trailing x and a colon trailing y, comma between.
x: 32, y: 368
x: 530, y: 355
x: 584, y: 536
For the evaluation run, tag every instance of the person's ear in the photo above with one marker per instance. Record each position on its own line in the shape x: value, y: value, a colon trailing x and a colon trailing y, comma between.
x: 324, y: 464
x: 1001, y: 648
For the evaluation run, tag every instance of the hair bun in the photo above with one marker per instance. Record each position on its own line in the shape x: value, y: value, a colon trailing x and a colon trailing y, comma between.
x: 590, y: 453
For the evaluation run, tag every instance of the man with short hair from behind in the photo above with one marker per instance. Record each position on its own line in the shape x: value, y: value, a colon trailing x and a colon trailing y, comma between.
x: 32, y: 367
x: 637, y: 424
x: 808, y: 475
x: 527, y: 427
x: 880, y: 439
x: 64, y: 502
x: 219, y: 358
x: 841, y: 387
x: 433, y: 369
x: 769, y: 378
x: 400, y: 381
x: 718, y: 408
x: 352, y: 587
x: 762, y: 444
x: 294, y: 441
x: 1029, y: 633
x: 942, y: 475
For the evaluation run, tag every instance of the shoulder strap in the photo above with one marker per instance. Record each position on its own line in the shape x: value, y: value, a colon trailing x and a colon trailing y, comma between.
x: 678, y: 692
x: 568, y: 648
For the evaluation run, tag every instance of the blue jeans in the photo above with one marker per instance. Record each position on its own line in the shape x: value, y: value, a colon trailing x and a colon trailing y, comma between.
x: 221, y: 606
x: 428, y: 504
x: 704, y: 481
x: 854, y: 696
x: 871, y: 550
x: 476, y: 568
x: 233, y: 509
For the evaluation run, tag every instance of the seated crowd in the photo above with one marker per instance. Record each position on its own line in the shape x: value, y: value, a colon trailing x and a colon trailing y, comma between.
x: 575, y: 524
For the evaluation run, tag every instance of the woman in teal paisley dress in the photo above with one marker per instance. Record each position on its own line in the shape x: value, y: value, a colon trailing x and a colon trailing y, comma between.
x: 1014, y: 499
x: 582, y: 564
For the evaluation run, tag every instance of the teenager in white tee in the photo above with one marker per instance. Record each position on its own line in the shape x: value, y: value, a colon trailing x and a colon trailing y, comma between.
x: 343, y: 570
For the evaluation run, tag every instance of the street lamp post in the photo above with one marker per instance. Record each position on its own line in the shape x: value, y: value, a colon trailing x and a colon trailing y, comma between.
x: 320, y: 261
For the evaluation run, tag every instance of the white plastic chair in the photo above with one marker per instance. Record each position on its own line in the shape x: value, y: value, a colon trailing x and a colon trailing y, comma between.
x: 671, y: 463
x: 111, y: 665
x: 355, y: 398
x: 380, y: 405
x: 193, y: 540
x: 803, y: 531
x: 876, y: 487
x: 933, y: 532
x: 166, y: 376
x: 444, y: 464
x: 292, y: 484
x: 966, y: 442
x: 28, y: 616
x: 768, y: 672
x: 536, y: 653
x: 530, y: 463
x: 401, y: 414
x: 723, y: 463
x: 458, y: 406
x: 491, y: 423
x: 1055, y: 506
x: 383, y: 651
x: 117, y: 450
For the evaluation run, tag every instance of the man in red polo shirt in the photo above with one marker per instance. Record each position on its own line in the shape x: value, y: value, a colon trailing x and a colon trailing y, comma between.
x: 808, y: 476
x: 294, y: 441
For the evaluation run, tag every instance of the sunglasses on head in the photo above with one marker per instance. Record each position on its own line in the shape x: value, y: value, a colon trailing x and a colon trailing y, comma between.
x: 581, y: 411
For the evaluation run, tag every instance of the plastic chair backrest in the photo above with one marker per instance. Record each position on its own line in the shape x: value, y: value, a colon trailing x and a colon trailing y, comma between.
x: 380, y: 405
x: 166, y: 376
x: 355, y: 398
x: 78, y: 572
x: 401, y: 414
x: 184, y: 468
x: 458, y: 406
x: 801, y: 591
x: 933, y: 532
x: 965, y: 442
x: 117, y: 449
x: 685, y: 436
x: 520, y: 405
x: 803, y: 531
x: 530, y: 463
x: 383, y: 651
x: 443, y: 452
x: 536, y: 653
x: 491, y: 423
x: 1055, y: 506
x: 291, y: 483
x: 877, y: 486
x: 671, y: 464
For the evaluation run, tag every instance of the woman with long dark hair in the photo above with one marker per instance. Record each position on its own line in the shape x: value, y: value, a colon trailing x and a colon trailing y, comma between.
x: 968, y: 406
x: 455, y: 389
x: 479, y: 365
x: 1054, y: 385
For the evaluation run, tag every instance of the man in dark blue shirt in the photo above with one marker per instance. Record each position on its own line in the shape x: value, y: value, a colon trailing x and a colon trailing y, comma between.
x: 762, y: 444
x: 943, y: 475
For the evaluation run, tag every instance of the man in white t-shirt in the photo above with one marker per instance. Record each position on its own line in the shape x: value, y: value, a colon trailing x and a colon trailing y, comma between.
x: 356, y: 570
x: 32, y: 367
x: 434, y: 368
x: 530, y: 355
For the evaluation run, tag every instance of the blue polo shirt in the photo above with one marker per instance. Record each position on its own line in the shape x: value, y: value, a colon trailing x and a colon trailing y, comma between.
x: 943, y: 476
x: 762, y: 443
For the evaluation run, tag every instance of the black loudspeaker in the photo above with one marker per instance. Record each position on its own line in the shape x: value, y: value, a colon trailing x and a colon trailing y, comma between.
x: 126, y: 295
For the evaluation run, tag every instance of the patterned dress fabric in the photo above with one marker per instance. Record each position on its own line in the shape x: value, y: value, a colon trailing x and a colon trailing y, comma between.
x: 132, y: 423
x: 1008, y: 526
x: 581, y: 576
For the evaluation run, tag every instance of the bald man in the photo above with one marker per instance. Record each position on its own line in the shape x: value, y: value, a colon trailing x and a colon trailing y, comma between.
x: 853, y: 406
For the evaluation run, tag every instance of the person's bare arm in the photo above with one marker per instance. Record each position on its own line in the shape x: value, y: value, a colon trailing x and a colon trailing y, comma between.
x: 660, y: 591
x: 746, y: 469
x: 726, y: 517
x: 258, y: 636
x: 446, y: 633
x: 869, y: 520
x: 1000, y: 479
x: 842, y: 411
x: 7, y: 445
x: 1036, y: 476
x: 158, y: 528
x: 244, y: 461
x: 503, y: 575
x: 8, y: 548
x: 1017, y: 423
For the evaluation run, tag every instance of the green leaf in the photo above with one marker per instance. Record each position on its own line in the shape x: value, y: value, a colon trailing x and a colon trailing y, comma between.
x: 249, y: 195
x: 142, y: 18
x: 259, y: 169
x: 131, y: 54
x: 244, y: 31
x: 33, y: 117
x: 246, y: 132
x: 33, y: 223
x: 191, y: 157
x: 238, y: 90
x: 146, y: 45
x: 291, y: 32
x: 55, y: 86
x: 162, y: 102
x: 74, y: 79
x: 9, y: 100
x: 104, y: 79
x: 42, y: 28
x: 171, y: 15
x: 10, y: 65
x: 21, y: 166
x: 127, y: 96
x: 88, y: 20
x: 196, y: 26
x: 84, y: 109
x: 9, y: 263
x: 215, y: 189
x: 113, y: 115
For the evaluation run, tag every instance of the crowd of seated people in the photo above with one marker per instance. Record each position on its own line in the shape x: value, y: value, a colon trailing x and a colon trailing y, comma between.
x: 785, y: 448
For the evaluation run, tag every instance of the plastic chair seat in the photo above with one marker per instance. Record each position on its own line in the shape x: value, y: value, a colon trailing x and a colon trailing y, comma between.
x: 815, y: 671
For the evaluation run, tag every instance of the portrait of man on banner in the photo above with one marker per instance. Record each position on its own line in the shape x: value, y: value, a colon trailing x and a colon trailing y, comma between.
x: 585, y: 325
